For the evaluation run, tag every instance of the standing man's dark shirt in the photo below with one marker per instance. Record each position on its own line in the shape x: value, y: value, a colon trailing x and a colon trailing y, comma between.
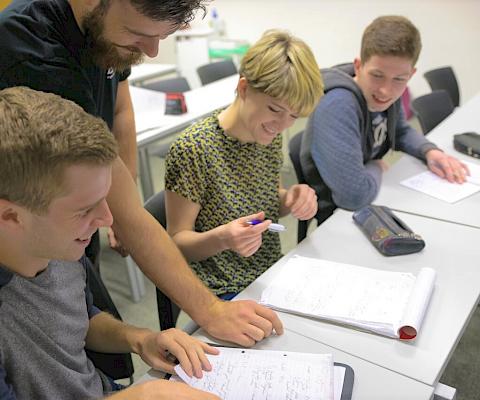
x: 42, y: 47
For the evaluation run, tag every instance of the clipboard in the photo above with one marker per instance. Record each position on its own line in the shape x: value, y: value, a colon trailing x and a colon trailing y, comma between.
x: 348, y: 379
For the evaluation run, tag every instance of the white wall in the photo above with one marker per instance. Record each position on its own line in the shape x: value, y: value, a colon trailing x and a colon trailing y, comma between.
x: 450, y: 30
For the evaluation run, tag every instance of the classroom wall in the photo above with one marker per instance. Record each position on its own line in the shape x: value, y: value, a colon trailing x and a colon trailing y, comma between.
x: 450, y: 30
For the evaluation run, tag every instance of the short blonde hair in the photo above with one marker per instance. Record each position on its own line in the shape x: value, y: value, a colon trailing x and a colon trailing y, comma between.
x: 42, y: 134
x: 283, y: 67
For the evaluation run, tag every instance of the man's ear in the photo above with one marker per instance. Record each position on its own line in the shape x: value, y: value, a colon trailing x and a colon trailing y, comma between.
x: 11, y: 215
x: 242, y: 87
x: 357, y: 63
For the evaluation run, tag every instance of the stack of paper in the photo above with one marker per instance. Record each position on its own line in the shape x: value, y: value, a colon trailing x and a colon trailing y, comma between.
x: 388, y: 303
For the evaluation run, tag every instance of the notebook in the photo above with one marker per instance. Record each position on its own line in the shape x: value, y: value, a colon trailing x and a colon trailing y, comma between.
x: 239, y: 374
x: 388, y: 303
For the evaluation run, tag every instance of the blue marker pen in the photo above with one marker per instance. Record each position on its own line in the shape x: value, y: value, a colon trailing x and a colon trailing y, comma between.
x: 272, y: 227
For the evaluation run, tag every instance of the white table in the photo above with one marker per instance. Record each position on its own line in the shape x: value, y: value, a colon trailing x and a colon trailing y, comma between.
x: 371, y: 381
x: 145, y: 71
x: 200, y: 102
x: 451, y: 249
x: 398, y: 197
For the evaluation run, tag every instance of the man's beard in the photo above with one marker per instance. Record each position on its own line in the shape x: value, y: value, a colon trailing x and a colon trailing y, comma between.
x: 103, y: 52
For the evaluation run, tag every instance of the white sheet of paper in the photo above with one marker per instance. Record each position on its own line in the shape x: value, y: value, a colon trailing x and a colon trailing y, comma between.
x: 339, y: 377
x: 474, y: 169
x: 429, y: 183
x: 149, y: 108
x: 239, y: 374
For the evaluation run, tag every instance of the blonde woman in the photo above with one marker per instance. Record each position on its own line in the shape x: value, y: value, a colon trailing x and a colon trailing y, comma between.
x: 224, y: 171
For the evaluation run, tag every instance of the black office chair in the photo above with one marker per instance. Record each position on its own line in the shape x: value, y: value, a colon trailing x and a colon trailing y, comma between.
x: 214, y: 71
x: 432, y: 108
x: 294, y: 153
x: 444, y: 78
x: 173, y: 85
x: 167, y: 311
x: 114, y: 365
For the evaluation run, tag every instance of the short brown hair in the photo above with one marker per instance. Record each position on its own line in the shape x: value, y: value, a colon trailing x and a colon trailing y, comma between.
x: 42, y: 134
x: 283, y: 66
x: 391, y: 35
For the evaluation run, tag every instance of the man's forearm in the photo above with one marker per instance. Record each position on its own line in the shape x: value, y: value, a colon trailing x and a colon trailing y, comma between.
x: 109, y: 335
x: 124, y: 128
x: 124, y: 132
x: 154, y: 250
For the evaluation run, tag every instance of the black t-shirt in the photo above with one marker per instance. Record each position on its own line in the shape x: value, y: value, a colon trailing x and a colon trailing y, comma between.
x: 42, y: 47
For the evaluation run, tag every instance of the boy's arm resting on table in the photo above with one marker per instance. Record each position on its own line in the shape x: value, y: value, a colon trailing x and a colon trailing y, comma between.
x: 161, y: 389
x: 446, y: 166
x: 237, y: 235
x: 338, y: 155
x: 109, y: 335
x: 241, y: 322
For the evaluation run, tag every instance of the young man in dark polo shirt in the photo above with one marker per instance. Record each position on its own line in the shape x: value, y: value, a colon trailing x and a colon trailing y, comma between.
x: 75, y: 49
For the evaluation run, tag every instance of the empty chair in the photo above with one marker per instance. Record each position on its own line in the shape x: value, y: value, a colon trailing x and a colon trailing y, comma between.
x: 173, y: 85
x: 294, y: 153
x: 432, y: 108
x: 444, y: 78
x: 214, y: 71
x: 167, y: 311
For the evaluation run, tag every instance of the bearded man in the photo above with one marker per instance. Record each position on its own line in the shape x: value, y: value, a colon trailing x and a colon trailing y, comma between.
x: 82, y: 51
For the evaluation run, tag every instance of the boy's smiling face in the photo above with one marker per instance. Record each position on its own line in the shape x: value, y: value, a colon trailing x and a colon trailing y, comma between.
x: 383, y: 79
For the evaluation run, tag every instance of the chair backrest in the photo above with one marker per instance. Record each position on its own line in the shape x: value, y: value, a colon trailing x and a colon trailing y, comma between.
x: 217, y: 70
x: 444, y: 78
x: 432, y: 108
x: 294, y: 152
x: 173, y: 85
x: 114, y: 365
x: 167, y: 311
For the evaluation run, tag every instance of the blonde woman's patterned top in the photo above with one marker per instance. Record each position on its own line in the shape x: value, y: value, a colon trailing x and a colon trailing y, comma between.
x: 229, y: 180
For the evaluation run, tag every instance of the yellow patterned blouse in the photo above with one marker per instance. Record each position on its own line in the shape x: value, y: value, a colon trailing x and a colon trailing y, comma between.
x: 229, y: 180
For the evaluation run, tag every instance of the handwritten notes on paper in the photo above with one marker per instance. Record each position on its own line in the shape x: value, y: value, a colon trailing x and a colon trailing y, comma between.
x: 429, y: 183
x: 367, y: 298
x: 239, y: 374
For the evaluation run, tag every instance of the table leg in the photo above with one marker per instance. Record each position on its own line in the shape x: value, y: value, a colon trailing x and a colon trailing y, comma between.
x: 444, y: 392
x: 145, y: 173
